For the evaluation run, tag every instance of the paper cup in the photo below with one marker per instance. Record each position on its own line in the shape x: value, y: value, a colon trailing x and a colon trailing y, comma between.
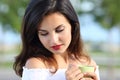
x: 86, y: 69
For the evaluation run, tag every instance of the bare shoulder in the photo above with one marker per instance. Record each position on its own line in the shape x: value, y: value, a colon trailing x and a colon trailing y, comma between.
x: 34, y: 63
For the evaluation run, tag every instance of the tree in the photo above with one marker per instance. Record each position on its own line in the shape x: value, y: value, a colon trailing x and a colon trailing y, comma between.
x: 11, y: 12
x: 105, y: 12
x: 110, y: 13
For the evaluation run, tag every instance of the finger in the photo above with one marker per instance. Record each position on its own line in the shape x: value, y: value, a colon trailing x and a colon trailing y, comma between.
x: 70, y: 72
x: 86, y: 79
x: 79, y: 76
x: 91, y: 75
x: 74, y: 72
x: 77, y: 72
x: 82, y: 79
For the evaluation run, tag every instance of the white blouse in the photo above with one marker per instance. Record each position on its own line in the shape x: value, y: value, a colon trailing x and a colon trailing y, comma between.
x: 44, y: 74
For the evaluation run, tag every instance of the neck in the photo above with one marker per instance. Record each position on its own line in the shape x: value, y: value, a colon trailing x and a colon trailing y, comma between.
x: 62, y: 60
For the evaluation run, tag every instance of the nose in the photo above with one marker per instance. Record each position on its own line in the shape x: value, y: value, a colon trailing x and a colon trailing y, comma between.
x: 53, y: 39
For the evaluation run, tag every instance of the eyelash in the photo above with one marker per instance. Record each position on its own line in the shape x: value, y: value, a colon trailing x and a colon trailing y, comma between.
x: 58, y: 31
x: 44, y: 34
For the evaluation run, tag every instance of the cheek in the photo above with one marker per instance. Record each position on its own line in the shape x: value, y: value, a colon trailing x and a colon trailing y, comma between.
x: 66, y: 36
x: 43, y: 41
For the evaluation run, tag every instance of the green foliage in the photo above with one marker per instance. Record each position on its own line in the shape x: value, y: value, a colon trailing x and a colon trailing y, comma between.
x: 111, y: 13
x: 106, y: 12
x: 11, y: 12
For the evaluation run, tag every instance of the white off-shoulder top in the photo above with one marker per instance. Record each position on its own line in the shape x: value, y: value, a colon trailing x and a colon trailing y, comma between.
x: 45, y: 74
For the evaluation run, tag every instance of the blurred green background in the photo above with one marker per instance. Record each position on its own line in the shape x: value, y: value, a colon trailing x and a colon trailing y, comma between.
x: 100, y: 30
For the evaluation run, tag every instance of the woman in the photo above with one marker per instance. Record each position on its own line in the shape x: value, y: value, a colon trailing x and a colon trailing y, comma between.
x: 52, y: 48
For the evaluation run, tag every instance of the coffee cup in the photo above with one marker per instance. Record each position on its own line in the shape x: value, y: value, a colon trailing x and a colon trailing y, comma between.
x: 86, y: 69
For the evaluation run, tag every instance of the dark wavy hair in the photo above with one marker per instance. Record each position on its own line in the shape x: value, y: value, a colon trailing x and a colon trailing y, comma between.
x: 31, y: 45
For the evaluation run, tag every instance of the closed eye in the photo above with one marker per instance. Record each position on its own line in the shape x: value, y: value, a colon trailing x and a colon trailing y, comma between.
x: 59, y: 29
x: 43, y: 33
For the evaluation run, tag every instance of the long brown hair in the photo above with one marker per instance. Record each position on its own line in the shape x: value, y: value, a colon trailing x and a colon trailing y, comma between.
x: 32, y: 47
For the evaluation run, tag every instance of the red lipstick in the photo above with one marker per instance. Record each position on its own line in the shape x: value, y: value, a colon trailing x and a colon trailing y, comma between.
x: 56, y: 47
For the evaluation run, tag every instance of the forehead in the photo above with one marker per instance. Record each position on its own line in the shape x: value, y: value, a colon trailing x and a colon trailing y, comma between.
x: 53, y: 20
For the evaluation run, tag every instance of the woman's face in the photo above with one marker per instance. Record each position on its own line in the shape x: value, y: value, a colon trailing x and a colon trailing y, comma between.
x: 55, y: 33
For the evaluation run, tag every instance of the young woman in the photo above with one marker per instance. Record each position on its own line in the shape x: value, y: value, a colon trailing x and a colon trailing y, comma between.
x: 52, y: 48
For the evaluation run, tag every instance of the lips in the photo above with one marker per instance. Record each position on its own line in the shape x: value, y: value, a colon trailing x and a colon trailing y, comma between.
x: 56, y: 47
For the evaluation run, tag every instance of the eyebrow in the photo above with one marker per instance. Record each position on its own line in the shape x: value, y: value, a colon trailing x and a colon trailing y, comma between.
x: 45, y: 30
x: 41, y: 30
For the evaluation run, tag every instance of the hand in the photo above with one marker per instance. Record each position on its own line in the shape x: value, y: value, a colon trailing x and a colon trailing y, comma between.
x: 89, y: 76
x: 73, y: 73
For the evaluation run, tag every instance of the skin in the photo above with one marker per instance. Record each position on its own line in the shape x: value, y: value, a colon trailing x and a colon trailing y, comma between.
x: 54, y: 30
x: 51, y: 31
x: 74, y: 73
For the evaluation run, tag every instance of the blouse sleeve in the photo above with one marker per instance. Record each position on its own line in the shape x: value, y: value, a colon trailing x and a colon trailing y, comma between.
x: 97, y: 72
x: 35, y: 74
